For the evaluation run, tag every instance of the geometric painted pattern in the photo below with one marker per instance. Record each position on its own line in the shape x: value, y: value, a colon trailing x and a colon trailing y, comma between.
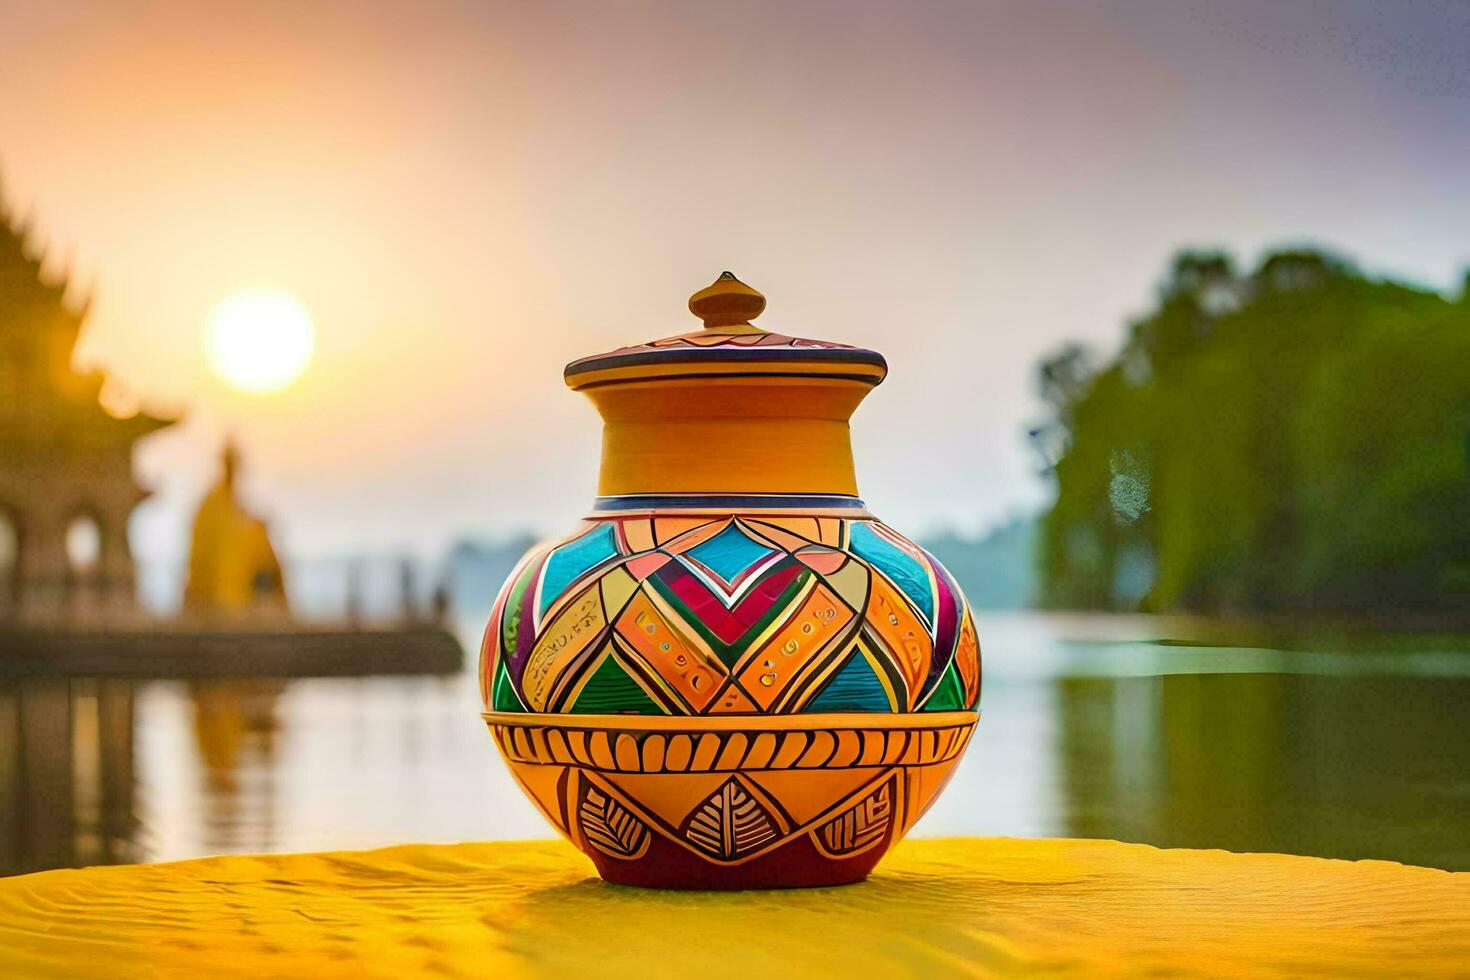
x: 730, y: 689
x: 730, y: 801
x: 729, y: 749
x: 731, y: 614
x: 860, y: 827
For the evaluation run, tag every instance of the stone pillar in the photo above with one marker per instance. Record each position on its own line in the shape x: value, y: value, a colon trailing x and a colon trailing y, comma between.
x: 43, y: 560
x: 117, y: 584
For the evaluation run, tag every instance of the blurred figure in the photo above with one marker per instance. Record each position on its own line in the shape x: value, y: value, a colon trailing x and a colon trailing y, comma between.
x: 233, y: 568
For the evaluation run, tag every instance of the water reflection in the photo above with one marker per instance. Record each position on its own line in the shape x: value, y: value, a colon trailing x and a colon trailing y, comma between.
x: 66, y: 773
x: 235, y: 729
x: 1090, y: 729
x: 1352, y: 767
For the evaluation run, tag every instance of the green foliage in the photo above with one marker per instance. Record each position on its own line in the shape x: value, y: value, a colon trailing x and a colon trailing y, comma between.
x: 1297, y: 438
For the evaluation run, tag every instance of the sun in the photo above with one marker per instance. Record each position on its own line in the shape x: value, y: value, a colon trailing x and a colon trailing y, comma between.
x: 259, y: 340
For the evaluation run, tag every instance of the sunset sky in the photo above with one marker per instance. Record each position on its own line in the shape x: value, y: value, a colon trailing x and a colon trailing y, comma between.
x: 466, y: 196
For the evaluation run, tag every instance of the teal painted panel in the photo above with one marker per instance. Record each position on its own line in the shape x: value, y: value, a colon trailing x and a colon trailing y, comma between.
x: 572, y: 559
x: 902, y: 568
x: 853, y: 687
x: 729, y: 553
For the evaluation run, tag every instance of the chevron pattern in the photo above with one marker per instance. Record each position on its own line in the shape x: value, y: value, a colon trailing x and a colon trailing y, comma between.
x: 733, y: 614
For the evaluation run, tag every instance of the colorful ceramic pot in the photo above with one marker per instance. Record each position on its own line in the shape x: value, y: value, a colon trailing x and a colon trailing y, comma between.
x: 731, y: 675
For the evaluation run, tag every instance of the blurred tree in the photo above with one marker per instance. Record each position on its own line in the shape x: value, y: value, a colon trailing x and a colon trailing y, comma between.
x: 1295, y: 438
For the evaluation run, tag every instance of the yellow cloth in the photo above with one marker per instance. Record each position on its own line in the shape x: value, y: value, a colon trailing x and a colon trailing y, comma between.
x: 1002, y: 906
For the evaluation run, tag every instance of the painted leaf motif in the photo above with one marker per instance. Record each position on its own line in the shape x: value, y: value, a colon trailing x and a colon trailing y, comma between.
x: 730, y: 823
x: 860, y: 827
x: 609, y: 827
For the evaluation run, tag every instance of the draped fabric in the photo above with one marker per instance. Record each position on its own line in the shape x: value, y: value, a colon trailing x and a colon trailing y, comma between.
x: 933, y: 908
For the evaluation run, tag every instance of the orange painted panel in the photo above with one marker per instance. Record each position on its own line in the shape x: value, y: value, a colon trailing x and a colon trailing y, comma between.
x: 694, y: 674
x: 638, y: 533
x: 967, y: 659
x: 901, y: 630
x: 665, y: 529
x: 769, y: 671
x: 733, y: 701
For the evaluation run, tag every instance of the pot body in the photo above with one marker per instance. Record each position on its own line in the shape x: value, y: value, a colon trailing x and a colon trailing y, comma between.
x: 731, y: 692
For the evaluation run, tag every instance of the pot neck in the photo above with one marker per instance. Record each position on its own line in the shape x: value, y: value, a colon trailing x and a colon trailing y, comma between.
x: 728, y: 436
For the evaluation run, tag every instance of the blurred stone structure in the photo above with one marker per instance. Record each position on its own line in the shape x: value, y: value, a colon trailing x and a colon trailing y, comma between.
x: 66, y: 464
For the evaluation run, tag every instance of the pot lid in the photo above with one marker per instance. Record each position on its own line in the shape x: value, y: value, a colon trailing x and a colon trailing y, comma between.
x: 728, y: 346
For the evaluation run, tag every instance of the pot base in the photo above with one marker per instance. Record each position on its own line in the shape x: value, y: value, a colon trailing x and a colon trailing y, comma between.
x: 734, y: 803
x: 796, y: 864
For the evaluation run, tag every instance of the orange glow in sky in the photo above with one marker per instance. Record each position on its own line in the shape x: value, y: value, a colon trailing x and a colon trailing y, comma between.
x: 465, y: 196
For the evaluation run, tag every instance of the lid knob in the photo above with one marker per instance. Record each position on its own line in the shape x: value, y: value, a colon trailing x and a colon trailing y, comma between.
x: 727, y: 302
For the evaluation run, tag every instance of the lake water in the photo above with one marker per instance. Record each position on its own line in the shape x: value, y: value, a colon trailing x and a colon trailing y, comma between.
x: 1091, y: 727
